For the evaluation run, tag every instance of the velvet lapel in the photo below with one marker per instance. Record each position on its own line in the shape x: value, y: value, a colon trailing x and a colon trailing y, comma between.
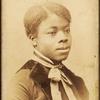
x: 78, y: 83
x: 39, y: 74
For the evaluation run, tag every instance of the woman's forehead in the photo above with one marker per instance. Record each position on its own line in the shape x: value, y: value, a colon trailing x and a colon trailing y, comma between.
x: 53, y: 21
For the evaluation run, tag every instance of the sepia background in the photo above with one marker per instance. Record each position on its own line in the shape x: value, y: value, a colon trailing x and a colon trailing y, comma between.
x: 83, y: 58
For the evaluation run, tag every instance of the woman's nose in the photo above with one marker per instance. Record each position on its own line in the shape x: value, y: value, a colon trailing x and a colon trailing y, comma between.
x: 63, y: 37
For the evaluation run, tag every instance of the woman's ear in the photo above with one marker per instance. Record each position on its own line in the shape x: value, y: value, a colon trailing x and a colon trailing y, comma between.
x: 30, y: 36
x: 33, y: 40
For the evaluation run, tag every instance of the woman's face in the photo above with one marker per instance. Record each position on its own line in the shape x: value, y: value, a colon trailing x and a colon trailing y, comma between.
x: 54, y: 38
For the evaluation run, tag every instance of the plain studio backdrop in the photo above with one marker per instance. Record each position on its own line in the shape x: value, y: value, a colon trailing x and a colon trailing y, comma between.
x: 83, y: 58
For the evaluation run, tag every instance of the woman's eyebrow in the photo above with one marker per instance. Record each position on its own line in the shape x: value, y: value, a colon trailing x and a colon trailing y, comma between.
x: 53, y: 27
x: 67, y: 26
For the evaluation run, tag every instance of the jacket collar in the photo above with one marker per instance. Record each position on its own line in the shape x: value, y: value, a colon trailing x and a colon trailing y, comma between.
x: 39, y: 72
x: 40, y: 66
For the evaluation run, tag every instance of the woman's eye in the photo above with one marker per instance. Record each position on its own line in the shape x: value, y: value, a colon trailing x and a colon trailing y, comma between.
x: 67, y: 30
x: 52, y: 33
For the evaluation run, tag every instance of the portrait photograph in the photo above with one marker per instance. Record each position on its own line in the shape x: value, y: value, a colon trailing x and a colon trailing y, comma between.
x: 50, y: 50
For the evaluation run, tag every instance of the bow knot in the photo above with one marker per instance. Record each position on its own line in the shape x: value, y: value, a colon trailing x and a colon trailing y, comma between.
x: 54, y: 74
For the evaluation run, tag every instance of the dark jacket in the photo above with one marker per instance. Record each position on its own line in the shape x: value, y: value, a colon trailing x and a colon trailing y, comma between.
x: 31, y: 83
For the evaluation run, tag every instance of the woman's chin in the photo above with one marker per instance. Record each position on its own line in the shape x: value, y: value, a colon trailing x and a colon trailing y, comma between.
x: 61, y: 58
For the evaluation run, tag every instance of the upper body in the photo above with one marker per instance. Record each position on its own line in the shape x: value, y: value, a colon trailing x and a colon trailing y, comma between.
x: 31, y: 82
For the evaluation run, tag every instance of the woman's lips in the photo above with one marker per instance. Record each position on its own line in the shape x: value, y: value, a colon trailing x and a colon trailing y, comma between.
x: 65, y: 49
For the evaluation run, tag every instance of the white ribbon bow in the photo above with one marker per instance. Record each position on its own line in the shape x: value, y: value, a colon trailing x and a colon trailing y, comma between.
x: 54, y: 74
x: 57, y: 75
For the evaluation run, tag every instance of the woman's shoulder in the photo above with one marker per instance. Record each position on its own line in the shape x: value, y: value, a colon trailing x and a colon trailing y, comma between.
x: 22, y: 76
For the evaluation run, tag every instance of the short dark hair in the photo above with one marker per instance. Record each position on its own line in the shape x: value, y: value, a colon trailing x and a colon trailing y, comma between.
x: 36, y: 14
